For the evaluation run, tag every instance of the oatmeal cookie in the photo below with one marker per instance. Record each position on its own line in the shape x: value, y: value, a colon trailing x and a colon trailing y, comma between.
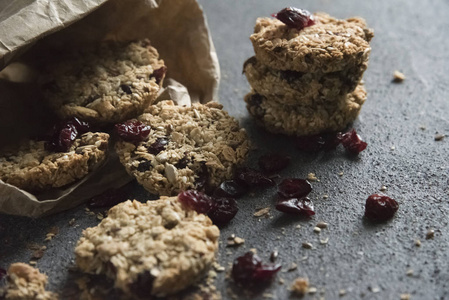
x: 305, y: 120
x: 26, y: 283
x: 330, y: 45
x: 105, y: 84
x: 33, y: 168
x: 188, y: 148
x: 292, y: 87
x: 156, y: 248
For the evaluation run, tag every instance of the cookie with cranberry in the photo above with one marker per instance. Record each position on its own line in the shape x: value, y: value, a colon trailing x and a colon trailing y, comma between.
x: 153, y: 248
x: 328, y: 116
x: 33, y: 167
x: 330, y: 45
x: 292, y: 87
x: 108, y: 83
x: 194, y: 147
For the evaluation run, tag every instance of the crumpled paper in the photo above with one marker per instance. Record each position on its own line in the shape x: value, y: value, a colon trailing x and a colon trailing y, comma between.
x: 30, y: 31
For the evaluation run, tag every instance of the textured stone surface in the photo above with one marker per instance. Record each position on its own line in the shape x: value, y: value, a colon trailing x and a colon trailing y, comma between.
x: 359, y: 257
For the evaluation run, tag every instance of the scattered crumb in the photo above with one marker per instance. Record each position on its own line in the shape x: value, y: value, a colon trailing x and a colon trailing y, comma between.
x: 300, y: 286
x: 268, y: 295
x: 100, y: 216
x: 307, y: 245
x: 392, y: 147
x: 341, y: 173
x: 32, y: 262
x: 383, y: 188
x: 341, y: 293
x: 72, y: 222
x: 405, y: 297
x: 312, y: 290
x: 439, y: 137
x: 322, y: 225
x: 312, y: 177
x: 37, y: 254
x: 398, y: 76
x: 281, y: 281
x: 262, y: 212
x: 325, y: 196
x: 234, y: 241
x: 430, y: 234
x: 324, y: 241
x: 298, y: 226
x: 292, y: 267
x: 418, y: 243
x: 422, y: 127
x: 317, y: 229
x: 409, y: 272
x: 274, y: 255
x: 375, y: 289
x: 218, y: 267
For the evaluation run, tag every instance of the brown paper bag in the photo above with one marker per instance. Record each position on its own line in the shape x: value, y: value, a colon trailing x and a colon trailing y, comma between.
x: 32, y: 31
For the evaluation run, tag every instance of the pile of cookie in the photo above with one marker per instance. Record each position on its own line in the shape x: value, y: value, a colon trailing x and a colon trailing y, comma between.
x: 306, y: 73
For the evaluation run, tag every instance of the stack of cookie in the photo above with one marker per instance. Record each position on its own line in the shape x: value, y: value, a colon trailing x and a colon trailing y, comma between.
x: 306, y: 79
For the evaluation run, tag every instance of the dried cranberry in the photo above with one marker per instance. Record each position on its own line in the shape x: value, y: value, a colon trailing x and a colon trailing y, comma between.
x: 158, y: 146
x: 126, y: 88
x: 196, y: 200
x: 331, y: 140
x: 133, y: 131
x: 294, y: 188
x: 248, y: 270
x: 144, y: 166
x: 109, y: 198
x: 2, y: 273
x: 223, y: 210
x: 230, y: 189
x: 251, y: 178
x: 182, y: 163
x: 64, y: 134
x: 380, y: 207
x: 158, y: 74
x: 143, y: 285
x: 81, y: 126
x: 273, y: 162
x: 296, y: 206
x: 295, y: 18
x: 352, y: 142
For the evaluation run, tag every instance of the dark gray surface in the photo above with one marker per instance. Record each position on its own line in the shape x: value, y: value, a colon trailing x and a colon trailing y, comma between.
x: 409, y: 36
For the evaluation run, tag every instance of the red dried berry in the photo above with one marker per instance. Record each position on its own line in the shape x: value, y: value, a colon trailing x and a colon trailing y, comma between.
x: 273, y: 162
x: 252, y: 178
x: 380, y: 207
x: 296, y: 206
x: 295, y: 18
x: 133, y: 131
x: 294, y: 188
x: 62, y: 138
x: 230, y: 189
x: 223, y: 210
x: 248, y: 270
x: 158, y: 146
x: 159, y: 74
x: 195, y: 200
x: 352, y: 142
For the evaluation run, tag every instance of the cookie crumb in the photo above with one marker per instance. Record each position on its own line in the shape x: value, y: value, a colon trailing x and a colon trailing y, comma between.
x: 274, y: 255
x: 409, y: 272
x: 235, y: 241
x: 312, y: 290
x: 218, y: 267
x: 317, y: 229
x: 341, y: 292
x: 341, y: 173
x: 393, y: 147
x: 418, y: 243
x: 292, y: 267
x: 325, y: 196
x: 324, y: 241
x: 322, y: 225
x: 72, y: 222
x: 430, y: 234
x: 300, y: 286
x: 383, y: 188
x: 262, y: 212
x: 439, y: 137
x: 405, y: 297
x: 307, y: 245
x: 312, y: 177
x: 398, y: 76
x: 375, y: 289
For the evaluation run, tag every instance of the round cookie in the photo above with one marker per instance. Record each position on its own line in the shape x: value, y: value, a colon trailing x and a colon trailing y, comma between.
x: 155, y: 248
x: 194, y: 147
x: 328, y: 46
x: 109, y: 83
x: 32, y: 168
x: 292, y: 88
x: 305, y: 120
